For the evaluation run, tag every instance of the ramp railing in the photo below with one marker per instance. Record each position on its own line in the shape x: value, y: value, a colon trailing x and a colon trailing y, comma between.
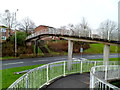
x: 43, y: 75
x: 100, y: 76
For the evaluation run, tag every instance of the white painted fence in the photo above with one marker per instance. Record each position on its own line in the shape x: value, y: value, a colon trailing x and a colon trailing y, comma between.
x: 40, y: 76
x: 100, y: 75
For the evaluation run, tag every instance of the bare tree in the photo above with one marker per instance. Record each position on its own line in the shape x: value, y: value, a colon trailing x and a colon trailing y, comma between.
x: 69, y: 27
x: 27, y: 24
x: 8, y: 19
x: 83, y: 28
x: 107, y: 28
x: 63, y: 27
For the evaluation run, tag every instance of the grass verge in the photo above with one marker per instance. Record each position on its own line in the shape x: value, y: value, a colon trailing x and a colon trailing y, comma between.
x: 8, y: 76
x: 110, y: 59
x: 116, y: 83
x: 98, y: 48
x: 8, y: 57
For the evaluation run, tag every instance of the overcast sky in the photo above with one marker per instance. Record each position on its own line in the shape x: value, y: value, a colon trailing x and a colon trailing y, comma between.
x: 57, y: 13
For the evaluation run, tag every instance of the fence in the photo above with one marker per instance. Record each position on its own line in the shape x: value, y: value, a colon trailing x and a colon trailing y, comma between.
x: 100, y: 75
x: 40, y: 76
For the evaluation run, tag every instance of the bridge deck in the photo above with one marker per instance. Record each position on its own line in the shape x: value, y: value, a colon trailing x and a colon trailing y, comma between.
x: 72, y: 81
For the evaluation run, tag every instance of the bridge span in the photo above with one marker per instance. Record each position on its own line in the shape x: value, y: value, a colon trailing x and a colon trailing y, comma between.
x: 73, y: 36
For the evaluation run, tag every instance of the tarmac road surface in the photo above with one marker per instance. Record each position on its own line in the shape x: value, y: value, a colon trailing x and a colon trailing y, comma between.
x: 44, y: 60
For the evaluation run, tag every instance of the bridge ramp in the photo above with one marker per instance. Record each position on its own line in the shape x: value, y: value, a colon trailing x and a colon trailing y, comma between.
x: 72, y: 81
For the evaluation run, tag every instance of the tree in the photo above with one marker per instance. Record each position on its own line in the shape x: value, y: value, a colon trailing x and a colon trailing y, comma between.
x: 71, y: 28
x: 8, y: 19
x: 21, y: 36
x: 81, y: 29
x: 27, y: 24
x: 85, y: 29
x: 63, y: 27
x: 107, y: 28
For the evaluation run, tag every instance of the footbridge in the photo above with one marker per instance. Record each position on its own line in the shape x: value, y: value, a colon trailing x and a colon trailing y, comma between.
x: 71, y: 36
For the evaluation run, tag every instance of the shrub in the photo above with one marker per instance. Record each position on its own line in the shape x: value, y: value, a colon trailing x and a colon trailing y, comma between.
x: 8, y: 49
x: 62, y: 46
x: 21, y: 36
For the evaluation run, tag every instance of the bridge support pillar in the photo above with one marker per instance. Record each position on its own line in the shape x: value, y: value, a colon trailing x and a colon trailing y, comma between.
x: 36, y: 47
x: 70, y: 51
x: 106, y: 54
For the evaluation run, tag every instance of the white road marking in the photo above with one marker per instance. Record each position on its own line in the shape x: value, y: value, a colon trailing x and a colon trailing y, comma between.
x: 59, y: 59
x: 113, y: 55
x: 63, y: 58
x: 39, y: 60
x: 13, y: 63
x: 95, y: 56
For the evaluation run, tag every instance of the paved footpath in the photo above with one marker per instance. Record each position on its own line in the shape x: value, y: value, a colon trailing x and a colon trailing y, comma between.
x: 72, y: 81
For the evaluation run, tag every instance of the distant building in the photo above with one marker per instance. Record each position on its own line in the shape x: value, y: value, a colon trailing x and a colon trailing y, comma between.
x: 4, y: 33
x: 42, y: 27
x: 45, y: 28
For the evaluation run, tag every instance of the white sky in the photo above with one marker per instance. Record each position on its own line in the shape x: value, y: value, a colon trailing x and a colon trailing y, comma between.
x: 57, y: 13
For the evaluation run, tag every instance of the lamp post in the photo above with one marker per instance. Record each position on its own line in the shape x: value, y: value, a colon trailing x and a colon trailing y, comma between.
x: 15, y: 37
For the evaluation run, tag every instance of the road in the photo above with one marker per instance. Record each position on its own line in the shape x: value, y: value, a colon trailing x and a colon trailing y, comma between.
x: 44, y: 60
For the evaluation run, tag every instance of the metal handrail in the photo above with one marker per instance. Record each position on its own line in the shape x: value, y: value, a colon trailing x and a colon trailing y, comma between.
x: 48, y: 72
x: 95, y: 80
x: 61, y: 32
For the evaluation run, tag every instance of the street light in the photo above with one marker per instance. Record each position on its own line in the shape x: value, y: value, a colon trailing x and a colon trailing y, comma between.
x: 15, y: 37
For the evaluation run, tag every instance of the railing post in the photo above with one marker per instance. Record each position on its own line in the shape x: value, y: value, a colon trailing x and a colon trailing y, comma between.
x: 64, y: 70
x: 47, y: 73
x: 26, y: 83
x: 105, y: 72
x: 92, y: 79
x: 95, y: 63
x: 81, y: 66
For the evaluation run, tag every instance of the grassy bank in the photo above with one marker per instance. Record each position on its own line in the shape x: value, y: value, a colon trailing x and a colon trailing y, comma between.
x: 110, y: 59
x: 98, y: 49
x: 7, y: 57
x: 8, y: 76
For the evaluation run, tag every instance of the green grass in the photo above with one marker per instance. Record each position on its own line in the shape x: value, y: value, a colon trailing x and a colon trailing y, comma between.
x: 7, y: 57
x: 98, y: 48
x: 110, y: 59
x: 8, y: 76
x: 116, y: 83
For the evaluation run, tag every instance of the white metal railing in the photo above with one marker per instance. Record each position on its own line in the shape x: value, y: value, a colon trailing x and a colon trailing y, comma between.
x: 61, y: 32
x: 100, y: 75
x: 40, y: 76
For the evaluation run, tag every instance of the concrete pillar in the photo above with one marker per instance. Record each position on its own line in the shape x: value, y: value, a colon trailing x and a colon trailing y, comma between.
x: 36, y: 47
x: 70, y: 51
x: 106, y: 54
